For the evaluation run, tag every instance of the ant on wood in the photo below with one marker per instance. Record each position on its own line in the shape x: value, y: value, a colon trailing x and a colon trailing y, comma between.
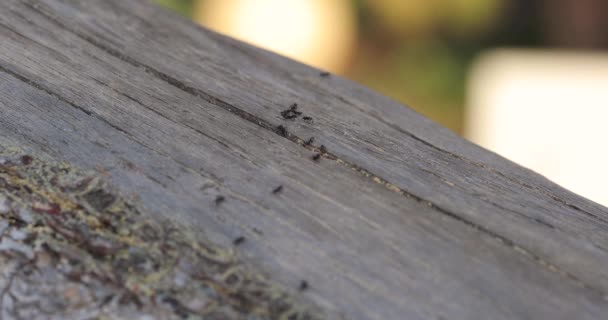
x: 238, y: 240
x: 281, y: 130
x: 291, y: 113
x: 309, y: 142
x: 277, y: 189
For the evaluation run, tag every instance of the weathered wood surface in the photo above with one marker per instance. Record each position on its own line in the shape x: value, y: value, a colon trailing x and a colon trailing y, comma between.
x: 400, y: 219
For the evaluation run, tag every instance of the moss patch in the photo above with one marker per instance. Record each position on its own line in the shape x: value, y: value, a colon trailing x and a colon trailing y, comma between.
x: 71, y: 247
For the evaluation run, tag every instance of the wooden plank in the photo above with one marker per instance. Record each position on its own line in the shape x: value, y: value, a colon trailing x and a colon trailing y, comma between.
x: 181, y: 116
x: 366, y: 132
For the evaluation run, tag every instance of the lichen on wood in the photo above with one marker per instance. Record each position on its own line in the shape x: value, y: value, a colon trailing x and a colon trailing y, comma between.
x: 72, y: 247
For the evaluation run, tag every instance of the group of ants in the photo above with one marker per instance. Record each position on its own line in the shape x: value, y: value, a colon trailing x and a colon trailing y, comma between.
x: 288, y: 114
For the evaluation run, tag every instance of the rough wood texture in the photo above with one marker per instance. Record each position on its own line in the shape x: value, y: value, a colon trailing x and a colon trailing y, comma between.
x: 397, y: 219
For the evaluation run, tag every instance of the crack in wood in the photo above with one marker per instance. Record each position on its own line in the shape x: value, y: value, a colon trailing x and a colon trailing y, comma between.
x: 467, y: 160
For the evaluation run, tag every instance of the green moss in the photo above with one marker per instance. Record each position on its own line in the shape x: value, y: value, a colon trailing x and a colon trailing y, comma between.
x: 82, y: 248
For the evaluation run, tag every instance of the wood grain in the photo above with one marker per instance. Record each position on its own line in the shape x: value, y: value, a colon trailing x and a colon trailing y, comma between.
x: 399, y: 219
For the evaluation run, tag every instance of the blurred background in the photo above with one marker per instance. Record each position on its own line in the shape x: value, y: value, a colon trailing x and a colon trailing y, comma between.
x: 527, y: 79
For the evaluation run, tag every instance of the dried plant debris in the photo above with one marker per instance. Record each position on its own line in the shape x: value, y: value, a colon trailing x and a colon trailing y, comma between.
x: 72, y: 248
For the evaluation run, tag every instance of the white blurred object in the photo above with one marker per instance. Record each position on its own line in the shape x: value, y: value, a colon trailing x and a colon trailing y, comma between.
x: 318, y: 32
x: 546, y: 110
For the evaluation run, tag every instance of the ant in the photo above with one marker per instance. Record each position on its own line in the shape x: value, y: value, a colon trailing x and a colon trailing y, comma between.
x: 238, y: 240
x: 219, y: 200
x: 324, y: 74
x: 316, y: 157
x: 309, y: 141
x: 26, y: 160
x: 277, y: 189
x: 303, y: 285
x: 291, y: 113
x: 281, y: 130
x: 307, y: 118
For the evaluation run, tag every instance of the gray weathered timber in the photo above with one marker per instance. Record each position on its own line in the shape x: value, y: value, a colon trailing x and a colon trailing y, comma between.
x: 400, y: 219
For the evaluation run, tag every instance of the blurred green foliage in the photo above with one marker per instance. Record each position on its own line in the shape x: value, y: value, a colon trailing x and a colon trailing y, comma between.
x: 184, y: 7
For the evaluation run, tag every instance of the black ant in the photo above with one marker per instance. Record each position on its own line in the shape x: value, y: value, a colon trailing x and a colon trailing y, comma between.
x: 309, y: 141
x: 26, y: 160
x: 307, y: 118
x: 316, y: 157
x: 291, y: 113
x: 324, y: 74
x: 303, y: 285
x: 238, y: 240
x: 277, y: 189
x: 281, y: 130
x: 219, y: 200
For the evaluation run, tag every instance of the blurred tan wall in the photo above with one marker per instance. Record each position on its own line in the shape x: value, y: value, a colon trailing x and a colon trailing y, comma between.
x: 321, y: 33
